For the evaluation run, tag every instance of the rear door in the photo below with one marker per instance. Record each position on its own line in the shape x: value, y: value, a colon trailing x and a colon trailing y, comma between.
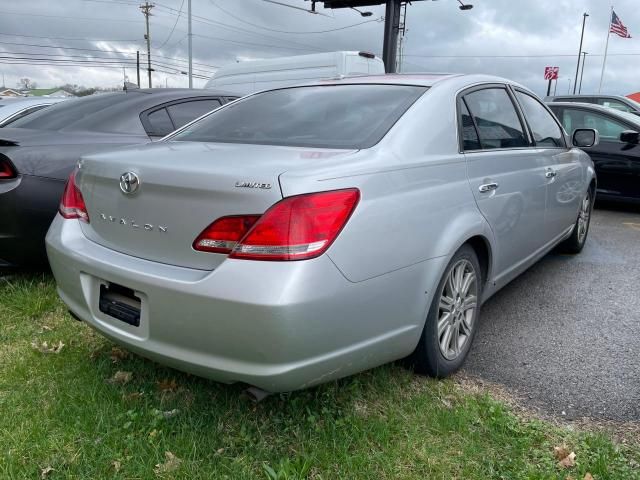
x: 563, y: 170
x: 617, y: 164
x: 506, y: 174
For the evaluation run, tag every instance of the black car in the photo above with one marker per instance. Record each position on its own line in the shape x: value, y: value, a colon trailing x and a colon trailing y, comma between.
x: 616, y: 102
x: 38, y: 152
x: 617, y: 156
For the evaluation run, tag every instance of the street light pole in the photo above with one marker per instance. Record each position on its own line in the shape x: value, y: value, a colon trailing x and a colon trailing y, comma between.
x: 584, y: 21
x: 584, y: 57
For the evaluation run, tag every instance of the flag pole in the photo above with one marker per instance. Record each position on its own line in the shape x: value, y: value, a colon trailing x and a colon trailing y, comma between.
x: 606, y: 49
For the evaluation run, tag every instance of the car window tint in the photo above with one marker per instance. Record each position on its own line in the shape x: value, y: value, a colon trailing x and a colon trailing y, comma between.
x: 160, y: 123
x: 608, y: 128
x: 328, y: 116
x: 183, y: 113
x: 616, y: 104
x: 546, y: 131
x: 496, y: 118
x: 470, y: 140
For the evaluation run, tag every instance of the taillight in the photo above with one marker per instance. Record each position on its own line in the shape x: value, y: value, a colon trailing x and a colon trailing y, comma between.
x: 72, y: 204
x: 6, y: 169
x: 298, y: 228
x: 224, y: 234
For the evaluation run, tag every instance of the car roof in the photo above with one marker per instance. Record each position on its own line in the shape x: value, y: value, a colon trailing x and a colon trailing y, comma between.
x: 175, y: 92
x: 428, y: 79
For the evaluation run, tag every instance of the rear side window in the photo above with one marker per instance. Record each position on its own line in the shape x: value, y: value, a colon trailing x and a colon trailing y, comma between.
x: 608, y: 128
x: 496, y: 119
x: 612, y: 103
x: 545, y: 129
x: 159, y: 123
x: 470, y: 140
x: 329, y: 116
x: 183, y: 113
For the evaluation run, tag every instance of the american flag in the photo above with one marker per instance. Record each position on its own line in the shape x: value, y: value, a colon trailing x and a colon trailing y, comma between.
x: 618, y: 27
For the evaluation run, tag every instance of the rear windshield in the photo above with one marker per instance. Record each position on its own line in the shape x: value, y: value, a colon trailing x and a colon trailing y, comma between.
x: 331, y: 116
x: 100, y: 113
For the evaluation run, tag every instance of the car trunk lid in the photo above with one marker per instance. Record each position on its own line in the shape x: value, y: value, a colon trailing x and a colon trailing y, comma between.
x: 183, y: 187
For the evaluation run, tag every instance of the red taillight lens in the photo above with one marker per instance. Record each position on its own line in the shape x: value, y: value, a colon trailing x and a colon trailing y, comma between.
x: 72, y: 204
x: 224, y: 234
x: 6, y: 169
x: 298, y: 228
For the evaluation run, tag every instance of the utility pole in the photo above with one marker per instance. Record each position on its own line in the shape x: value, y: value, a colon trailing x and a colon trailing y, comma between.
x: 402, y: 30
x: 584, y: 58
x: 190, y: 47
x: 138, y: 66
x: 391, y: 28
x: 584, y: 21
x: 146, y: 11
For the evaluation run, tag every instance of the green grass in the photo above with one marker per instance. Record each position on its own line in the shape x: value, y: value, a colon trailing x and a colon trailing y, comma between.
x: 59, y: 410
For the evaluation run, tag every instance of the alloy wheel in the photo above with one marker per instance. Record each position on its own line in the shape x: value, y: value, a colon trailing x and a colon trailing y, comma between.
x: 456, y: 311
x: 583, y: 217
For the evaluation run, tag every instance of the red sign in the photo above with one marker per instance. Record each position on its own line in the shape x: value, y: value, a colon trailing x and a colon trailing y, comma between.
x: 551, y: 73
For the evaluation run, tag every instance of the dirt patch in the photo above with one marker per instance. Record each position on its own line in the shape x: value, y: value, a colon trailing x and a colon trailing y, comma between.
x: 621, y: 432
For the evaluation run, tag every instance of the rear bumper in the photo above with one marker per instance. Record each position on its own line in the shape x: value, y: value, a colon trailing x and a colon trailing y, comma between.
x: 277, y: 325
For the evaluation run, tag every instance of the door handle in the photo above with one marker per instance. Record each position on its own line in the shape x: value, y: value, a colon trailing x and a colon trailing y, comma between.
x: 487, y: 187
x: 550, y: 173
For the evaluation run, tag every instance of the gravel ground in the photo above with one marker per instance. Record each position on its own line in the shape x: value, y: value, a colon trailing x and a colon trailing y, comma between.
x: 565, y: 335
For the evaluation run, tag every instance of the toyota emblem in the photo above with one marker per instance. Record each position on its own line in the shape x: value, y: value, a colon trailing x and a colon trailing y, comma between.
x: 129, y: 183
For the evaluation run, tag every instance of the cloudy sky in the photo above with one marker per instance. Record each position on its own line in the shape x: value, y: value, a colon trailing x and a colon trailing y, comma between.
x: 87, y: 42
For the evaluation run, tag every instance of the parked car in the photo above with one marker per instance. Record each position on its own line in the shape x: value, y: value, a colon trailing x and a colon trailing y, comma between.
x: 617, y: 102
x: 14, y: 109
x: 304, y: 234
x: 38, y: 152
x: 254, y: 75
x: 617, y: 156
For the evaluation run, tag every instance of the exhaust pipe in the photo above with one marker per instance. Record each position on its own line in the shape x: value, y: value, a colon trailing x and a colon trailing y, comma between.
x: 256, y: 395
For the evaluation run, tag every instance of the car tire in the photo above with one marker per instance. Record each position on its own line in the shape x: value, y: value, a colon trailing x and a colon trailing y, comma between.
x: 575, y: 243
x: 439, y: 353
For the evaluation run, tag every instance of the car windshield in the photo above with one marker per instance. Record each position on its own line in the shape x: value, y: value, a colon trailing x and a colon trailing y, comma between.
x: 328, y: 116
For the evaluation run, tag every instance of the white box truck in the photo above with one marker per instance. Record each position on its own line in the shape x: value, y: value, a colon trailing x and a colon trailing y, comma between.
x: 255, y: 75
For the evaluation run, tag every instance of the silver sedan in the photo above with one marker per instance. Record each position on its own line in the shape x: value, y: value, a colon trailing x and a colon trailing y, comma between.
x: 303, y: 234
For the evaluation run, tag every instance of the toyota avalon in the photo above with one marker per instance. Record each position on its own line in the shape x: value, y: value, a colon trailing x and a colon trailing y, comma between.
x: 303, y: 234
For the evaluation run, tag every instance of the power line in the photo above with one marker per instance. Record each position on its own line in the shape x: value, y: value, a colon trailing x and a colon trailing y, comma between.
x: 174, y: 26
x: 67, y: 17
x: 286, y: 31
x: 235, y: 29
x: 70, y: 38
x: 118, y: 52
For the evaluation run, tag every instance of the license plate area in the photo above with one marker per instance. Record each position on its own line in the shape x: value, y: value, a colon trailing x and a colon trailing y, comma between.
x: 120, y: 303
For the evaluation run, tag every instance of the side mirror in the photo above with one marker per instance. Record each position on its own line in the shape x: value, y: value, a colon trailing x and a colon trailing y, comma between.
x: 585, y: 137
x: 630, y: 136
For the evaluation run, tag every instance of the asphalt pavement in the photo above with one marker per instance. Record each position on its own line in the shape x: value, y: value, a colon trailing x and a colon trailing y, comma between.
x: 565, y: 335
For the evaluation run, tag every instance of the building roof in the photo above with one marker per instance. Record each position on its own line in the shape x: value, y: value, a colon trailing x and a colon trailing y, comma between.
x: 4, y: 91
x: 41, y: 92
